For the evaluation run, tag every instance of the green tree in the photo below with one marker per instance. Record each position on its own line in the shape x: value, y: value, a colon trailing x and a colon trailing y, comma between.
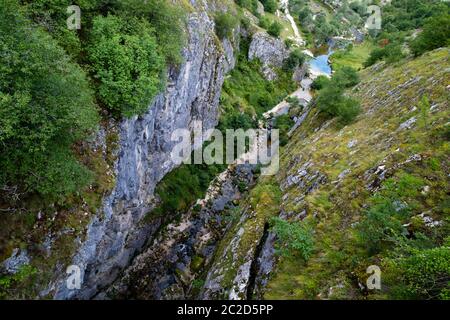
x: 346, y: 77
x: 423, y: 275
x: 296, y: 58
x: 127, y: 64
x: 167, y: 19
x: 45, y: 107
x: 225, y: 24
x: 294, y: 237
x: 435, y: 34
x: 264, y: 22
x: 320, y: 82
x: 270, y: 6
x: 275, y: 29
x: 331, y: 100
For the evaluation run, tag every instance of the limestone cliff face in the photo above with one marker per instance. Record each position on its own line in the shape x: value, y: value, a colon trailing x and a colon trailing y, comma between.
x: 192, y: 94
x: 270, y: 51
x: 171, y: 266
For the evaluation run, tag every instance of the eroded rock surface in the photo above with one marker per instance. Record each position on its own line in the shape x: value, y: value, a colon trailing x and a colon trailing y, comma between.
x: 144, y: 158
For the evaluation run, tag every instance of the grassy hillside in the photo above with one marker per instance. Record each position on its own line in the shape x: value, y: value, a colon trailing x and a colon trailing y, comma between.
x: 353, y: 56
x: 374, y: 192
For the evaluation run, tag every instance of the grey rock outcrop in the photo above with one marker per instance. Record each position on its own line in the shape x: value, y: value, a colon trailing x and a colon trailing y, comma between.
x: 18, y: 259
x: 144, y: 158
x: 270, y: 51
x: 183, y: 249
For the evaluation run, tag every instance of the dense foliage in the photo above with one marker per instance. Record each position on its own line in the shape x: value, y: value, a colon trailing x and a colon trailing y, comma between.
x: 270, y: 5
x: 126, y: 64
x: 52, y: 77
x: 284, y: 123
x: 45, y: 105
x: 251, y: 5
x: 294, y: 238
x: 275, y: 29
x: 415, y: 267
x: 435, y: 34
x: 246, y: 91
x: 225, y: 24
x: 183, y: 186
x: 319, y: 27
x: 331, y: 99
x: 296, y: 58
x: 402, y: 19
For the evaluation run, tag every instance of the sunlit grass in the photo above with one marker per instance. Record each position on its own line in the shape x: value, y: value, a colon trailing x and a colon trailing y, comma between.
x: 352, y: 58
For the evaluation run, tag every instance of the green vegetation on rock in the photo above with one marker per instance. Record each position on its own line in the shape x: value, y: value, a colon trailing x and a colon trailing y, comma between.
x: 331, y: 99
x: 374, y: 191
x: 126, y: 64
x: 46, y: 106
x: 245, y: 97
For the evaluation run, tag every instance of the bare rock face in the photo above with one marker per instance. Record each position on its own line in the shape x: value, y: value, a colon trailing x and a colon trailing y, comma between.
x: 184, y: 249
x: 117, y: 234
x: 17, y: 259
x: 270, y: 51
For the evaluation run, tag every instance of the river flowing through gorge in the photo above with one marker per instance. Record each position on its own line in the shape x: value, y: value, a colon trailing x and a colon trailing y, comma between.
x: 185, y: 249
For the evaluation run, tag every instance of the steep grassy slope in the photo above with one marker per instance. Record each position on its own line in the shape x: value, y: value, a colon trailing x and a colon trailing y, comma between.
x: 354, y: 57
x: 331, y: 177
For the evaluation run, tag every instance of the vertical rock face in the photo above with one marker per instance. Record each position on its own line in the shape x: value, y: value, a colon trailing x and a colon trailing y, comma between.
x: 192, y: 94
x: 184, y: 249
x: 270, y: 51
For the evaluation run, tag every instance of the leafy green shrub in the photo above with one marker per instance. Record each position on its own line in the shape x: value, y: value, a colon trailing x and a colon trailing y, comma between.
x: 283, y: 123
x: 332, y: 102
x: 225, y: 24
x: 347, y: 110
x: 45, y: 107
x: 424, y: 108
x: 320, y: 82
x: 251, y: 5
x: 246, y: 91
x: 331, y: 99
x: 270, y: 6
x: 323, y: 29
x: 376, y: 55
x: 423, y: 275
x: 126, y: 63
x: 293, y: 101
x: 293, y: 238
x: 183, y: 186
x: 18, y: 282
x: 435, y: 34
x: 390, y: 53
x: 380, y: 227
x: 383, y: 223
x: 403, y: 15
x: 166, y: 18
x: 346, y: 77
x: 296, y: 58
x: 275, y: 29
x: 235, y: 120
x: 265, y: 22
x: 289, y: 43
